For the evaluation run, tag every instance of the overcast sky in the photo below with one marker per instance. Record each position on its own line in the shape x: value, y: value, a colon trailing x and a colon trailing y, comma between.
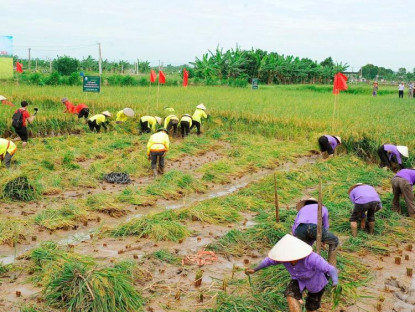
x: 356, y: 32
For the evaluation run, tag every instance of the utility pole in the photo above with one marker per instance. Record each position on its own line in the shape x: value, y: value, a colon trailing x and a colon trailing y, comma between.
x: 99, y: 59
x: 29, y: 59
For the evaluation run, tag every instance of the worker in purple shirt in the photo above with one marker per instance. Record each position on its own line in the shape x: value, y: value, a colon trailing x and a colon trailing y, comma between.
x: 365, y: 198
x: 402, y: 184
x: 390, y: 154
x: 328, y: 144
x: 305, y: 226
x: 307, y: 269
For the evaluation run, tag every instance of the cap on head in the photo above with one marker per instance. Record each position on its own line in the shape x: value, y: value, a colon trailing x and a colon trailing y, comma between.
x: 24, y: 103
x: 353, y: 187
x: 106, y: 113
x: 306, y: 201
x: 290, y: 248
x: 201, y: 106
x: 2, y: 98
x: 403, y: 150
x: 158, y: 119
x: 338, y: 139
x: 64, y: 100
x: 128, y: 112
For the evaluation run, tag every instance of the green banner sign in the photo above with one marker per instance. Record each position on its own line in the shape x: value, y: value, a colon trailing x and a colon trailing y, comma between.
x: 91, y: 83
x: 255, y: 82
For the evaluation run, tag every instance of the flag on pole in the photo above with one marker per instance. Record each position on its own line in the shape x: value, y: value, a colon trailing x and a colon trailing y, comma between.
x: 162, y: 77
x: 340, y: 83
x: 153, y: 76
x: 185, y: 77
x: 19, y: 67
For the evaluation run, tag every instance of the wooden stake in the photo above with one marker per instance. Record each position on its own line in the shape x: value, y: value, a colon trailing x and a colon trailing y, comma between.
x: 409, y: 272
x: 319, y: 218
x: 397, y: 260
x: 277, y: 206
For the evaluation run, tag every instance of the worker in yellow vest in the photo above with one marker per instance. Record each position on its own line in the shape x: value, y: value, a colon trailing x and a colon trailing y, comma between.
x: 7, y: 150
x: 96, y: 121
x: 157, y: 147
x: 185, y: 124
x: 149, y: 123
x: 124, y: 115
x: 197, y: 117
x: 171, y: 121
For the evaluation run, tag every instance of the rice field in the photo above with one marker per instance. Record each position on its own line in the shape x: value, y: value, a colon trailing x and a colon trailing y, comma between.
x: 72, y: 242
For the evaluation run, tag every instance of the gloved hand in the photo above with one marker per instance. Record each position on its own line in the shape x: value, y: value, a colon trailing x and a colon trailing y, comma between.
x: 249, y: 271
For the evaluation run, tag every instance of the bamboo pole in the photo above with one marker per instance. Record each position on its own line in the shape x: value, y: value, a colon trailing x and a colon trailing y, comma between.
x: 277, y: 206
x: 319, y: 218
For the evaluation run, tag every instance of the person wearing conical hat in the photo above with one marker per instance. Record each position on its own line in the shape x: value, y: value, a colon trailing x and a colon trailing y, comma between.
x: 307, y: 269
x: 168, y: 111
x: 7, y: 150
x: 171, y: 121
x: 365, y: 199
x: 390, y: 154
x: 4, y: 101
x: 124, y: 114
x: 328, y: 144
x: 402, y: 183
x: 96, y: 121
x: 81, y: 109
x: 149, y: 123
x: 199, y: 113
x: 305, y: 226
x: 157, y: 147
x: 185, y: 124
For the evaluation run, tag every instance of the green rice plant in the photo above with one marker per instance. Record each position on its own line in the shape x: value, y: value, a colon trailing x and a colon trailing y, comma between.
x: 210, y: 213
x: 234, y: 243
x: 61, y: 218
x: 159, y: 227
x: 165, y: 256
x: 20, y: 188
x: 135, y: 197
x: 13, y: 230
x: 105, y: 204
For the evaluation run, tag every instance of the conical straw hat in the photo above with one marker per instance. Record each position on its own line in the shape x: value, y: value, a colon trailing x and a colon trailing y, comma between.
x: 338, y: 139
x: 201, y: 106
x: 290, y: 248
x: 353, y: 187
x: 107, y: 113
x: 302, y: 202
x: 2, y: 98
x: 159, y: 120
x: 403, y: 150
x: 128, y: 112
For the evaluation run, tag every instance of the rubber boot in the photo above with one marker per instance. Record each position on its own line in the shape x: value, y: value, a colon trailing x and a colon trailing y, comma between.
x: 353, y: 226
x: 363, y: 224
x: 155, y: 172
x: 371, y: 228
x: 293, y: 304
x: 161, y: 170
x: 332, y: 257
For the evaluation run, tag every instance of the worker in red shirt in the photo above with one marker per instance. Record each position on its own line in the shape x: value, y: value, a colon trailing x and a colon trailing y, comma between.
x: 20, y: 119
x: 81, y: 110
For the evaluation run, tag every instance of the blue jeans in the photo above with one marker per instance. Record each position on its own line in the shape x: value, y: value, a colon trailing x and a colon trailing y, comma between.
x: 307, y: 232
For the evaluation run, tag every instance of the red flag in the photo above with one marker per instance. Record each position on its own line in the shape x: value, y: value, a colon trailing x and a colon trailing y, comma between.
x: 162, y: 77
x: 185, y: 77
x: 340, y: 83
x: 153, y: 76
x: 19, y: 67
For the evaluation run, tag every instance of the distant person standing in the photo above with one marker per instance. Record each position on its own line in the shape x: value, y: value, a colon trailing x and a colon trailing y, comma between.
x: 411, y: 90
x: 328, y: 144
x: 199, y: 113
x: 7, y: 150
x: 401, y: 88
x: 21, y: 118
x: 375, y: 88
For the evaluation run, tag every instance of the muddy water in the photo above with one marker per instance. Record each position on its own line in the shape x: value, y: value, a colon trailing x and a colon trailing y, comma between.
x: 73, y: 237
